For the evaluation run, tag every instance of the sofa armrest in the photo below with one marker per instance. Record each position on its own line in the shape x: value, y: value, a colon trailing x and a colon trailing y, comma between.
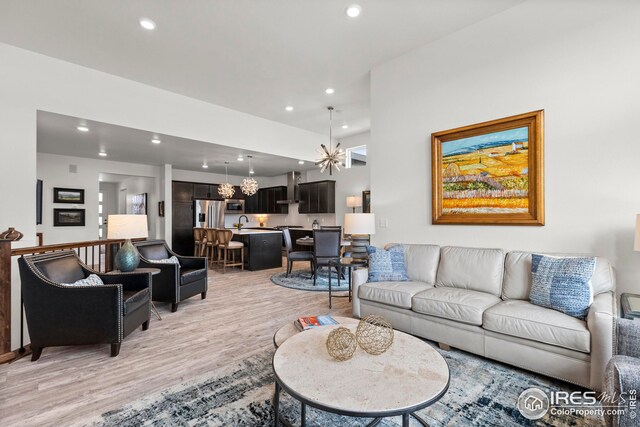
x: 628, y: 338
x: 601, y: 322
x: 192, y: 262
x: 359, y: 277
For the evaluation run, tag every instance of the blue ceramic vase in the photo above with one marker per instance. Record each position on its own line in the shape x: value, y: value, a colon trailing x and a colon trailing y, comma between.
x: 127, y: 258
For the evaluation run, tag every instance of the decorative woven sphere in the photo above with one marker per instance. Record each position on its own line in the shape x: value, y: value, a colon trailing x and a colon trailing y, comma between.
x: 374, y: 334
x: 341, y: 344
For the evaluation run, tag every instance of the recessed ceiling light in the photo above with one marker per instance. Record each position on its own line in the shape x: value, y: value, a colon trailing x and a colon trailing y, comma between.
x: 102, y: 154
x: 147, y: 24
x: 251, y: 172
x: 205, y: 166
x: 345, y: 126
x: 82, y: 128
x: 288, y: 108
x: 156, y: 140
x: 240, y: 158
x: 353, y: 11
x: 301, y: 162
x: 329, y: 91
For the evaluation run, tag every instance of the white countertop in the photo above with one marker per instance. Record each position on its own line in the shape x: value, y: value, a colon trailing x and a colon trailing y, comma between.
x: 254, y: 231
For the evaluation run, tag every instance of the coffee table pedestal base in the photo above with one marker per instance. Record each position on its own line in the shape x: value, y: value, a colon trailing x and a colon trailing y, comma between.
x: 277, y: 419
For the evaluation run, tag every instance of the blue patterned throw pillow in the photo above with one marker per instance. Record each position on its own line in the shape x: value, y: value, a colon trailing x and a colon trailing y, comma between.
x: 387, y: 265
x: 92, y: 280
x: 563, y: 284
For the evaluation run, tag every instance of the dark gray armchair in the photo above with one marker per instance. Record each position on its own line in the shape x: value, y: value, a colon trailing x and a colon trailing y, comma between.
x: 60, y: 315
x: 175, y: 282
x: 292, y: 255
x: 622, y: 376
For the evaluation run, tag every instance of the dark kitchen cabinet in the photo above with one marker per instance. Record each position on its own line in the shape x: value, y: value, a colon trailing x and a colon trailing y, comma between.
x: 251, y: 204
x: 265, y: 201
x: 182, y: 228
x: 262, y: 250
x: 317, y: 197
x: 182, y: 191
x: 206, y: 191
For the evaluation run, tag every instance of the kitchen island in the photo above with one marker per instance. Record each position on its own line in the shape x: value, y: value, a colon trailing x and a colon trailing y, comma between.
x: 263, y: 248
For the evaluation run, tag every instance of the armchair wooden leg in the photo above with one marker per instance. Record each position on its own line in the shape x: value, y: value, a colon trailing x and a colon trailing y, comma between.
x: 174, y: 307
x: 286, y: 274
x: 242, y: 258
x: 115, y: 349
x: 145, y: 325
x: 204, y: 295
x: 35, y: 353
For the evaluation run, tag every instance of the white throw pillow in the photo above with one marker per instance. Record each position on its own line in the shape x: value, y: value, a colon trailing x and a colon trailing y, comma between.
x: 172, y: 260
x: 92, y: 280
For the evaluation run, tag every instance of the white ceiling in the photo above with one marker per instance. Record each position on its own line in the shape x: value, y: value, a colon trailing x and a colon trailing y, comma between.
x: 57, y: 134
x: 249, y: 55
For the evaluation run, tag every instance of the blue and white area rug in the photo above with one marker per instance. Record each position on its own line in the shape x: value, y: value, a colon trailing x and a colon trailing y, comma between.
x: 481, y: 393
x: 303, y: 280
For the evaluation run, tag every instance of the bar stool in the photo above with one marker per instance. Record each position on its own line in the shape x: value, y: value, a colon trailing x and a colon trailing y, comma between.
x: 198, y: 244
x: 211, y: 244
x: 225, y: 244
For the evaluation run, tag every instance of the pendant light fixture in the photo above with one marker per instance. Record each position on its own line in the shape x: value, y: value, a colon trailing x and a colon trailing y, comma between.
x: 249, y: 185
x: 226, y: 190
x: 330, y: 158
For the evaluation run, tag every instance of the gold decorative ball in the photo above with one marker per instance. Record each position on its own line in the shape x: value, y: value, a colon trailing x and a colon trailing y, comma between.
x: 374, y: 334
x: 341, y: 344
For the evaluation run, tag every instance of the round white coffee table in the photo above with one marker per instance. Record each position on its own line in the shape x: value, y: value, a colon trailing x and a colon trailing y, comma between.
x: 409, y: 376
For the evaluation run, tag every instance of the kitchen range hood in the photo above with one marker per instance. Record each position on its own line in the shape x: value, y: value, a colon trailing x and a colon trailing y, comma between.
x: 293, y: 178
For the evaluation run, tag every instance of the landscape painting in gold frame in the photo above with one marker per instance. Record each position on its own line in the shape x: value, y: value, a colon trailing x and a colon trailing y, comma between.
x: 490, y: 173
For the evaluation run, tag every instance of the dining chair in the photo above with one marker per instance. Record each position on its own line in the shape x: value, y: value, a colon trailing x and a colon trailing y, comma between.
x: 294, y: 255
x: 326, y: 247
x: 227, y: 247
x: 211, y: 245
x: 198, y: 244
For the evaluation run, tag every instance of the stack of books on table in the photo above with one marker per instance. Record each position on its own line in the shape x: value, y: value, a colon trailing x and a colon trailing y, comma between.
x: 304, y: 323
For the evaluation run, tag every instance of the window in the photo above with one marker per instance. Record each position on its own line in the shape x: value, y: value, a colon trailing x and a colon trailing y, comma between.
x: 356, y: 156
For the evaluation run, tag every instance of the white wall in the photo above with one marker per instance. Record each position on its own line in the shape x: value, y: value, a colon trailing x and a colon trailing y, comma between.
x: 578, y: 62
x: 53, y: 170
x: 31, y: 82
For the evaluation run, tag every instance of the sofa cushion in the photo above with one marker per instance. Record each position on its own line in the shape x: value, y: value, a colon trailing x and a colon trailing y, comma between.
x: 386, y: 265
x: 471, y: 268
x: 190, y: 275
x: 131, y: 300
x: 455, y: 304
x: 422, y: 262
x: 517, y: 275
x: 65, y: 269
x: 563, y: 284
x: 524, y: 320
x: 397, y: 294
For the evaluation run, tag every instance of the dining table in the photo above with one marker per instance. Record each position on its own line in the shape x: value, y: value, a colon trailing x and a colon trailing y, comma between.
x: 308, y: 241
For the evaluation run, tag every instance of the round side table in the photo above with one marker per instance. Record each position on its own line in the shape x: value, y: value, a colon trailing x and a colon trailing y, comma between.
x: 348, y: 263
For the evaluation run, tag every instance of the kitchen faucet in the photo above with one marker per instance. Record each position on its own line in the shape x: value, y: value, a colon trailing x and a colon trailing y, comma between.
x: 240, y: 223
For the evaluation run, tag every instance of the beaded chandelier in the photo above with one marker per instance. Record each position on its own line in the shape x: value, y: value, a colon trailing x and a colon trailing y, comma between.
x: 330, y: 158
x: 226, y: 190
x: 249, y: 185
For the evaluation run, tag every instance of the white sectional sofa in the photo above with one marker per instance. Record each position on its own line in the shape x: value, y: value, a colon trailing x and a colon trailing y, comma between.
x: 478, y: 300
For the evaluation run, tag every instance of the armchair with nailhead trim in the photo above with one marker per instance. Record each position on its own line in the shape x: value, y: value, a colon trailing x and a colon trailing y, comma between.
x: 59, y: 314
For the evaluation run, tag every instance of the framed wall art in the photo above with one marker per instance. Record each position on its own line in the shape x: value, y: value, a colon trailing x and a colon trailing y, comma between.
x: 490, y: 173
x: 68, y: 217
x: 68, y: 195
x: 139, y: 204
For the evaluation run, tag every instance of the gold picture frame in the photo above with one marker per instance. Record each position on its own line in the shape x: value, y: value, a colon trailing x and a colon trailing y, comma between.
x: 490, y: 173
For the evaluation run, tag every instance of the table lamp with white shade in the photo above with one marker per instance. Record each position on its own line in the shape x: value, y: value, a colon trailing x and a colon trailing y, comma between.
x: 360, y: 226
x: 127, y: 227
x: 354, y: 202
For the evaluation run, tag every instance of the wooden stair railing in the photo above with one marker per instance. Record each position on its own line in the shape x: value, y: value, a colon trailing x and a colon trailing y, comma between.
x: 97, y: 254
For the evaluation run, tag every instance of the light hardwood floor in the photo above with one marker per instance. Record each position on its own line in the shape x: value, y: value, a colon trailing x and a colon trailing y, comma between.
x: 69, y: 385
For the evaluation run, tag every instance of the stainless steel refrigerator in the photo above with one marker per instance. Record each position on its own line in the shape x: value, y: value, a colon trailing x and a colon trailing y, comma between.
x: 208, y: 213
